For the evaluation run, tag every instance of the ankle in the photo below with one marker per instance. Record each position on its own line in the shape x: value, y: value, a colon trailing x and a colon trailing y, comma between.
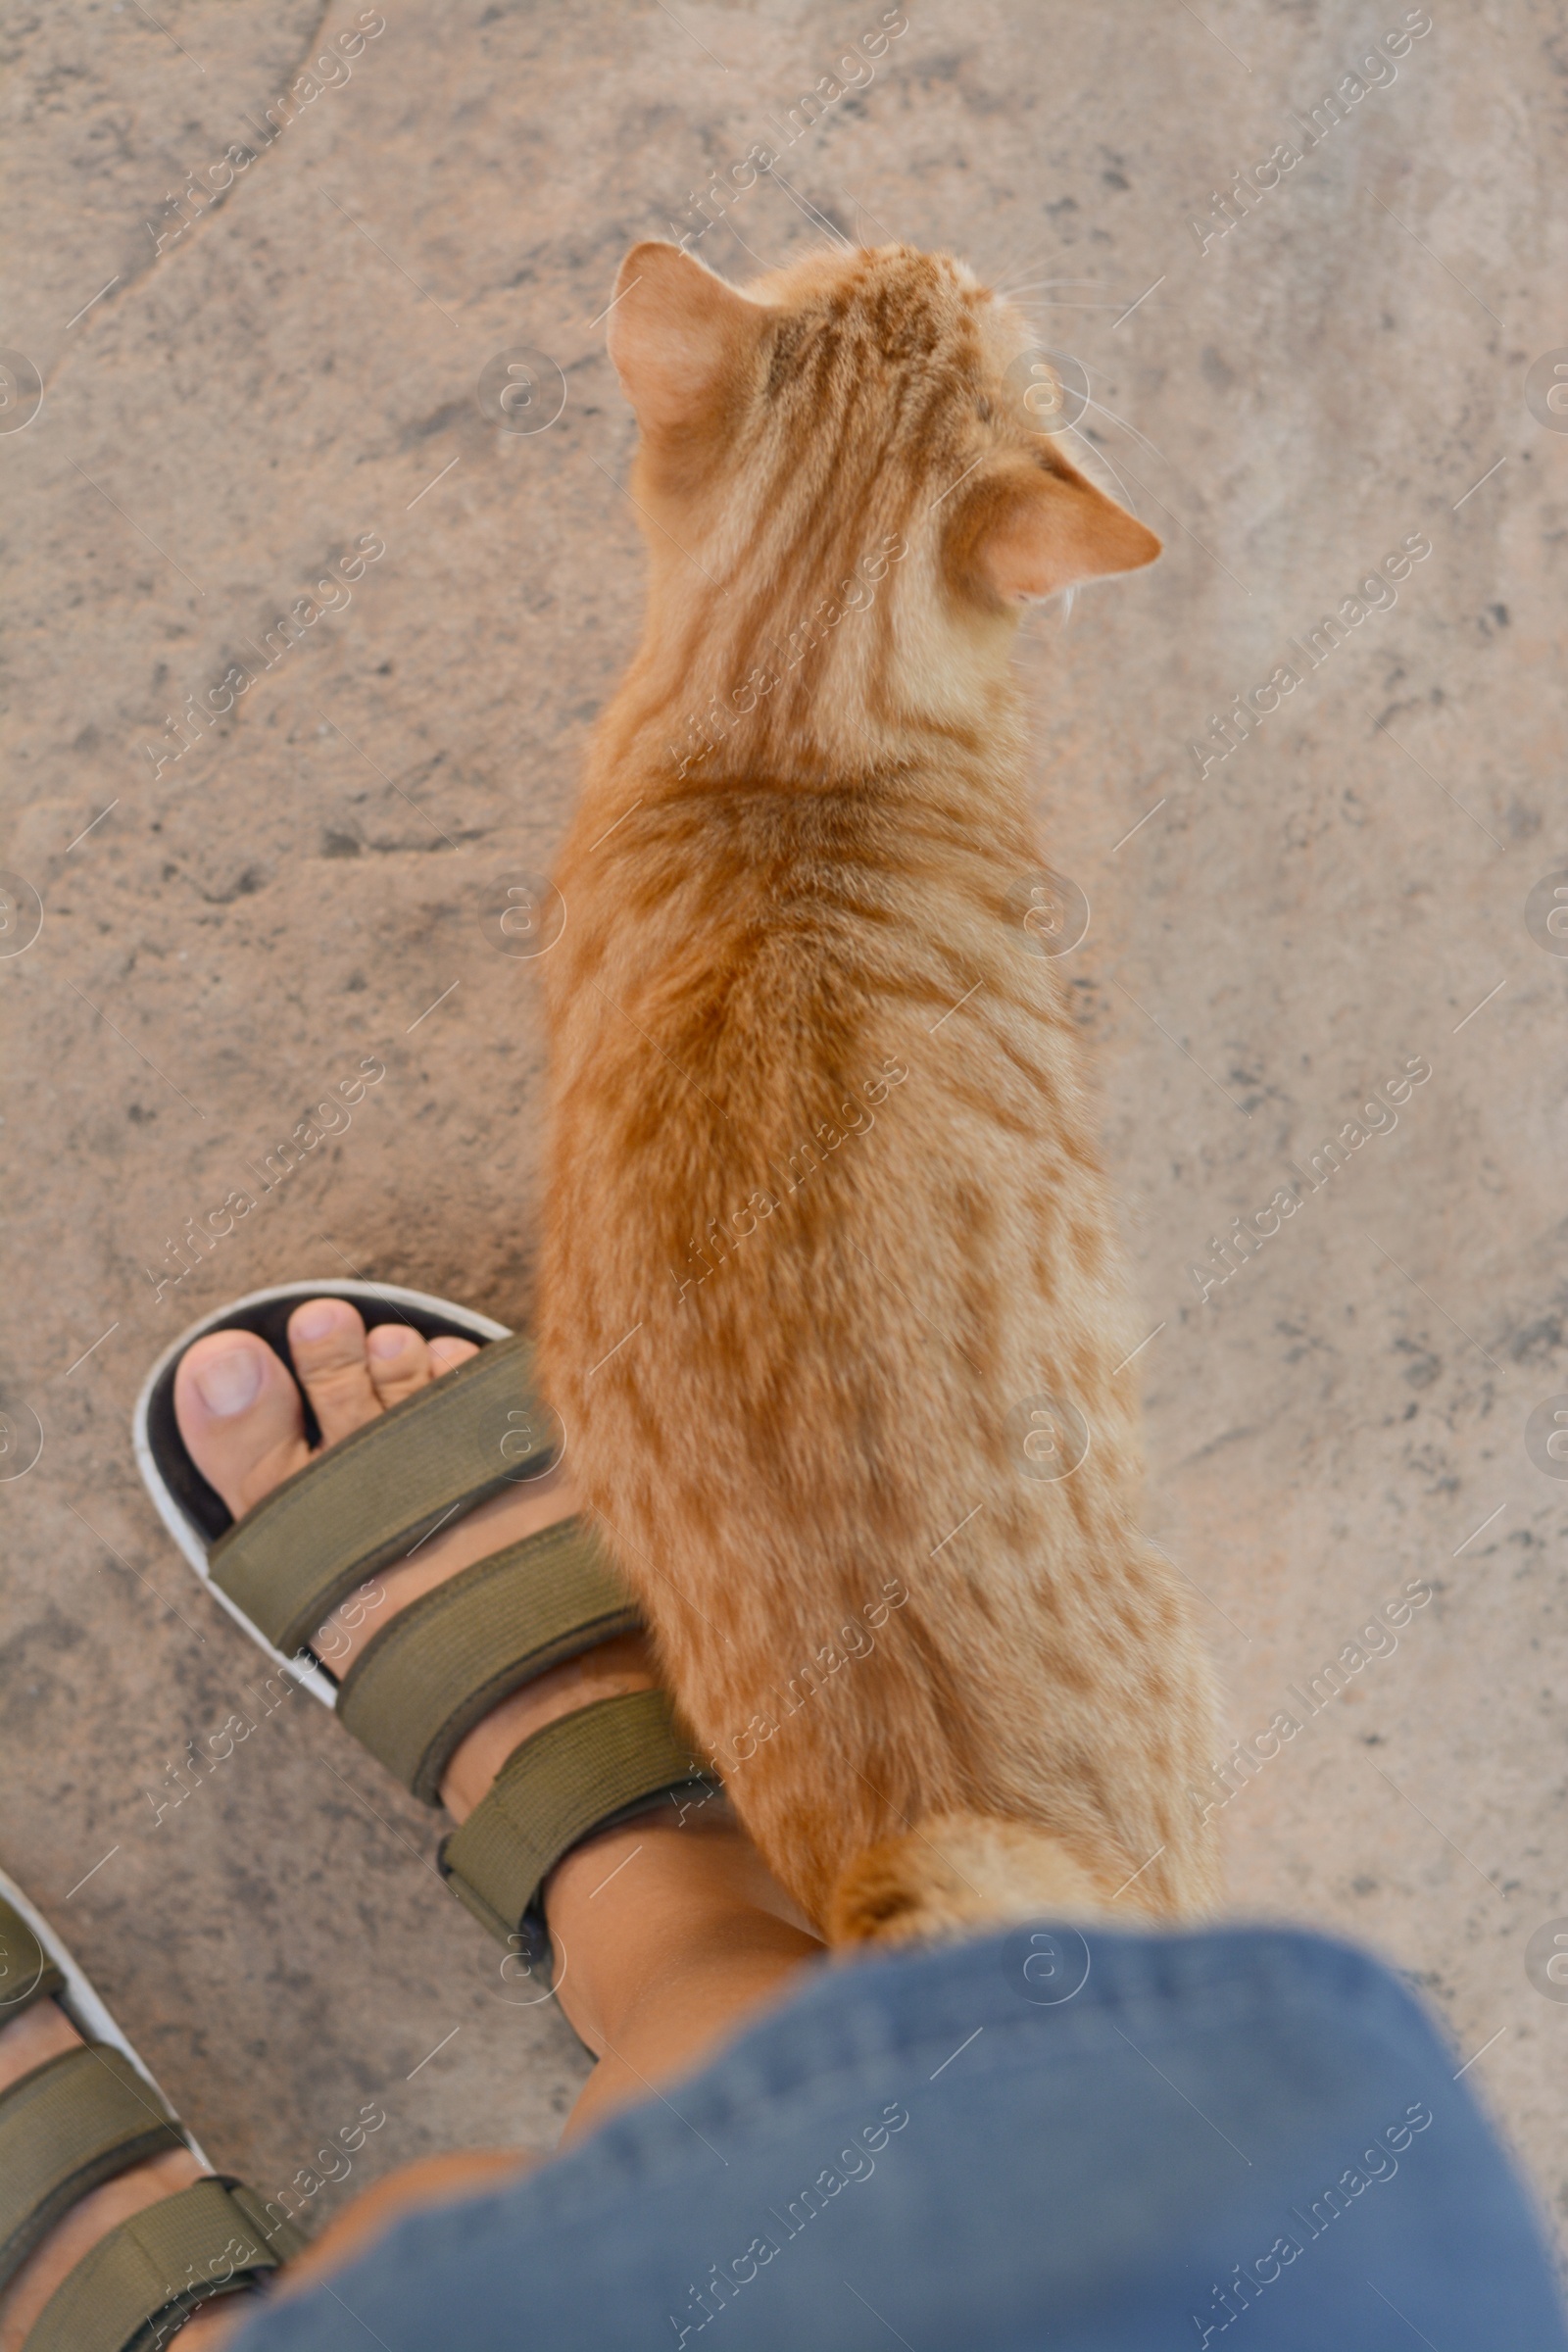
x: 689, y: 2004
x: 699, y: 1896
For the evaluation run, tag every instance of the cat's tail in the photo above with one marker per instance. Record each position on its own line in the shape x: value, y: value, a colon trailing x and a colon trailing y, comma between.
x: 956, y: 1874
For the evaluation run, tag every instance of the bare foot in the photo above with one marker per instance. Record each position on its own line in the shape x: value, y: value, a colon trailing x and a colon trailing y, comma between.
x: 717, y: 1905
x: 242, y: 1418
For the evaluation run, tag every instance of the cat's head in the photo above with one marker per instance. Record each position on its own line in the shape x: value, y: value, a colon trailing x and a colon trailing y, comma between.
x: 792, y: 428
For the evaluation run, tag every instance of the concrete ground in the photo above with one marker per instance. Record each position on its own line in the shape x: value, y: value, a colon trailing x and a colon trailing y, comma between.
x: 241, y: 391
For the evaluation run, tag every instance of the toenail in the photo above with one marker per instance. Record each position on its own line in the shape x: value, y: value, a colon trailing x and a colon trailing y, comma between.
x: 228, y: 1384
x: 315, y: 1321
x: 389, y: 1339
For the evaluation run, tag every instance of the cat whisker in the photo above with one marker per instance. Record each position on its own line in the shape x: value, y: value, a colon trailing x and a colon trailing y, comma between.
x: 1101, y: 408
x: 1019, y: 305
x: 805, y: 205
x: 761, y: 259
x: 870, y: 216
x: 1063, y: 598
x: 1153, y: 447
x: 1033, y: 284
x: 1101, y: 457
x: 1130, y: 428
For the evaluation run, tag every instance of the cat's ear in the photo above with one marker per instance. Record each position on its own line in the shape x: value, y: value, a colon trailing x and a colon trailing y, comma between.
x: 680, y: 337
x: 1026, y: 534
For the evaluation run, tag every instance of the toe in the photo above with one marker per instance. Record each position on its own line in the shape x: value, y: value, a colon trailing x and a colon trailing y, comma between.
x: 400, y: 1362
x: 240, y: 1415
x: 327, y: 1340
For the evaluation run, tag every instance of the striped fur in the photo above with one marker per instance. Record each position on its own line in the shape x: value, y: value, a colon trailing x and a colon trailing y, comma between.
x: 824, y: 1195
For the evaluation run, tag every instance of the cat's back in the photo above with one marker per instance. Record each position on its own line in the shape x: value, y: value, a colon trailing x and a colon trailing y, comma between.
x: 793, y: 1028
x: 747, y: 922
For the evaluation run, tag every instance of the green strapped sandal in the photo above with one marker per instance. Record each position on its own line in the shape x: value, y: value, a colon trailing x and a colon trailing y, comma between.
x: 436, y: 1668
x: 82, y: 2119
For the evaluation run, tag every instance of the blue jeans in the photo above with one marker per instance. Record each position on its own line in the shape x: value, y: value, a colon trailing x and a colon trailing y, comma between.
x: 1247, y: 2136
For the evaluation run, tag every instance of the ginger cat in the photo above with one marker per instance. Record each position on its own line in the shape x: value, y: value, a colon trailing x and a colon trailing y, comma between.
x: 826, y: 1218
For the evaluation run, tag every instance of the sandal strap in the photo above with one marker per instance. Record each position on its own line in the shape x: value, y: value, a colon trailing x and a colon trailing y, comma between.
x: 26, y: 1972
x: 443, y: 1662
x: 372, y: 1497
x: 577, y: 1775
x: 136, y: 2283
x: 67, y: 2128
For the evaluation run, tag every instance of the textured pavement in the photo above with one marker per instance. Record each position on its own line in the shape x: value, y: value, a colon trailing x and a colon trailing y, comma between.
x: 246, y: 394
